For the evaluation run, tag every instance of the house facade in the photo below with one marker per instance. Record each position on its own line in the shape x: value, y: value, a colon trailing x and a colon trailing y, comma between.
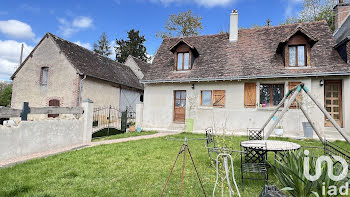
x: 60, y: 73
x: 234, y: 81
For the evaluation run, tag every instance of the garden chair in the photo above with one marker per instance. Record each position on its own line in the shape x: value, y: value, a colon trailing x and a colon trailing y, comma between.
x: 253, y: 161
x: 255, y: 134
x: 210, y: 144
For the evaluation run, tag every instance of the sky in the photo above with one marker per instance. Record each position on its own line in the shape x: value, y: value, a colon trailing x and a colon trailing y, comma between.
x: 83, y: 21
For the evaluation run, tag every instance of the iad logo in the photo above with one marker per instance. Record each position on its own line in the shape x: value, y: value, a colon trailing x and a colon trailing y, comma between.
x: 332, y: 190
x: 318, y: 170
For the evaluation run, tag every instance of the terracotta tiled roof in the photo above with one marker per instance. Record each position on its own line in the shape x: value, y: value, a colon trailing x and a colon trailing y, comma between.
x: 252, y: 56
x: 97, y: 66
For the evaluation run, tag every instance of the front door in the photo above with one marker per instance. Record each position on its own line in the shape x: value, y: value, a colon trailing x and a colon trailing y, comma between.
x: 333, y: 101
x: 179, y: 106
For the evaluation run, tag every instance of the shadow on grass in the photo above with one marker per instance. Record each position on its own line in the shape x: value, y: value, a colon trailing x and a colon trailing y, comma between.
x: 104, y: 133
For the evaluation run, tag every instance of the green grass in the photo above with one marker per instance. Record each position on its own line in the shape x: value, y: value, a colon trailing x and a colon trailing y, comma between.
x: 135, y: 168
x: 124, y: 135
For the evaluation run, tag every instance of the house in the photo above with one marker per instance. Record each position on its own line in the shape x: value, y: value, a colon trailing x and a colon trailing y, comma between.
x: 60, y: 73
x: 233, y: 81
x: 342, y: 30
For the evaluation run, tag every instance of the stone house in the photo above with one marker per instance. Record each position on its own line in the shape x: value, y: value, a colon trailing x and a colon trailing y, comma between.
x: 233, y: 81
x: 60, y: 73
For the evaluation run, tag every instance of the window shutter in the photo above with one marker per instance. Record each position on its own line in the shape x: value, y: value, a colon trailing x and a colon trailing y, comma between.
x: 219, y: 98
x: 250, y: 95
x: 291, y: 85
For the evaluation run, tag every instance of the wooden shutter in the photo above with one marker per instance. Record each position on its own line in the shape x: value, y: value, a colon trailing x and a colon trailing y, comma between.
x: 54, y: 103
x: 219, y: 98
x: 250, y: 95
x: 291, y: 85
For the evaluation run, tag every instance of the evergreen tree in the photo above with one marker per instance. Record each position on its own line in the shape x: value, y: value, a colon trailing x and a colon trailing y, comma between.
x: 5, y: 96
x: 102, y: 47
x: 133, y: 45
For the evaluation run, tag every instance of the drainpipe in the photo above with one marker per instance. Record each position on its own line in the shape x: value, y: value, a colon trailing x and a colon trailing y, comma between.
x: 80, y: 87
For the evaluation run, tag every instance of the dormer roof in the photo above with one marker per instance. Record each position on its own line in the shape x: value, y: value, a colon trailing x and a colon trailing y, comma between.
x: 182, y: 41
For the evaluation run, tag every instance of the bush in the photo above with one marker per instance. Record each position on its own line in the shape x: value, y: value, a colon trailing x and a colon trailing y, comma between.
x: 5, y: 96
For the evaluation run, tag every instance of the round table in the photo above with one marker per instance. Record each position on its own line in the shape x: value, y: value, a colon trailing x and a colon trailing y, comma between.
x: 272, y: 145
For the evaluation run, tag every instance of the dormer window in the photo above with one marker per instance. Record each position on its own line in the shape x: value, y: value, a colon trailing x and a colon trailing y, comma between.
x: 183, y: 61
x: 297, y: 55
x: 296, y: 48
x: 184, y: 55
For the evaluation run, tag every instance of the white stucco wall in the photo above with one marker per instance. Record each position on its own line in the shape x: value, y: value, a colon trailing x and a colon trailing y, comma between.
x: 62, y: 79
x: 159, y: 107
x: 102, y: 93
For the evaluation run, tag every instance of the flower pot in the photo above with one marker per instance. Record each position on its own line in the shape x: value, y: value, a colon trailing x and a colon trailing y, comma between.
x: 132, y: 128
x: 279, y: 132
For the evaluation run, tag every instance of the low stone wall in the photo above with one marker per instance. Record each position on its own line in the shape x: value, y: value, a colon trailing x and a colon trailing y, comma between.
x: 32, y: 137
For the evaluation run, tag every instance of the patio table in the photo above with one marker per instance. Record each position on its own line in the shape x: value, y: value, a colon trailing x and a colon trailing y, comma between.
x: 272, y: 145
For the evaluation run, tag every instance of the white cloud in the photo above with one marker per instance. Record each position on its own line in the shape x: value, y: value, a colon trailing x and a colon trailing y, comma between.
x: 82, y: 22
x: 68, y: 28
x: 16, y: 29
x: 85, y: 45
x: 206, y: 3
x: 10, y: 51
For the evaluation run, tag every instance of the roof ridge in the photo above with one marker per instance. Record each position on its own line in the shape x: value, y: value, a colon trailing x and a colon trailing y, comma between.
x: 250, y: 28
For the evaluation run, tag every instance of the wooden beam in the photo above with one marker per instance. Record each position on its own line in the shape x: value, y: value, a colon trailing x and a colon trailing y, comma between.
x: 327, y: 115
x: 56, y: 110
x: 311, y: 123
x: 6, y: 112
x: 285, y: 109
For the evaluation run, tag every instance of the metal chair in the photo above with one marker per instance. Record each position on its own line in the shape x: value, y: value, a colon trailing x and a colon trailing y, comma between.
x: 253, y: 160
x: 210, y: 144
x: 255, y: 134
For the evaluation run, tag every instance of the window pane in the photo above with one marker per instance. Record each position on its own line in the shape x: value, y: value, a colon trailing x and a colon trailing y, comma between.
x: 179, y: 61
x: 183, y: 103
x: 177, y: 103
x: 206, y: 98
x: 265, y: 95
x: 301, y: 56
x: 183, y: 94
x: 292, y: 56
x: 178, y: 95
x: 186, y: 60
x: 44, y: 75
x: 277, y: 94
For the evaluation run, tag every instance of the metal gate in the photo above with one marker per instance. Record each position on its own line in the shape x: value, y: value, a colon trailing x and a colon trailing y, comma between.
x: 110, y: 117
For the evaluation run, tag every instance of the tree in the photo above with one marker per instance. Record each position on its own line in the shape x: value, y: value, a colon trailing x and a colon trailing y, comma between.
x: 5, y: 96
x: 134, y: 46
x: 182, y: 24
x: 315, y: 10
x: 102, y: 47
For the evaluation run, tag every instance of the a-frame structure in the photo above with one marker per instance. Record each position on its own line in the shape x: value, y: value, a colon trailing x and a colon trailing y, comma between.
x: 292, y: 95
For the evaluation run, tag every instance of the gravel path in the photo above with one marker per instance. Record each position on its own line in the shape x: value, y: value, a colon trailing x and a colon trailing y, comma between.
x: 79, y: 146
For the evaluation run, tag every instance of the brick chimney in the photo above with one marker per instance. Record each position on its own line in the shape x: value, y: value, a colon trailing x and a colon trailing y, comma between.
x: 341, y: 12
x: 234, y: 26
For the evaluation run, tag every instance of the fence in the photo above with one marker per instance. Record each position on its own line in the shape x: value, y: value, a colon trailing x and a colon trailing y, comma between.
x: 31, y: 137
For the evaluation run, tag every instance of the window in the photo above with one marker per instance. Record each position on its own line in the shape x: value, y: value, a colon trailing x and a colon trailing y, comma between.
x: 54, y: 103
x: 271, y: 94
x: 297, y: 55
x: 44, y: 75
x: 183, y: 61
x: 215, y: 98
x: 206, y: 98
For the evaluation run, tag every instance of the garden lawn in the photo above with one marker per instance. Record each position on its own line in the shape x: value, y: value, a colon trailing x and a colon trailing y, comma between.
x: 124, y: 135
x: 135, y: 168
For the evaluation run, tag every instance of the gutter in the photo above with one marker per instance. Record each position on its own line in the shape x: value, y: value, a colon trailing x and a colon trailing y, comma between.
x: 80, y: 88
x: 238, y: 78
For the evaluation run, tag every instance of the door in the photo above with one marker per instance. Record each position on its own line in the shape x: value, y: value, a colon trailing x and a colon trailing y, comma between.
x: 333, y: 101
x: 54, y: 103
x: 179, y: 106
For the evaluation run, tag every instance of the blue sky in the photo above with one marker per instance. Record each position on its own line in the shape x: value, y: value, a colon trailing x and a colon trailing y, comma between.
x: 83, y: 21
